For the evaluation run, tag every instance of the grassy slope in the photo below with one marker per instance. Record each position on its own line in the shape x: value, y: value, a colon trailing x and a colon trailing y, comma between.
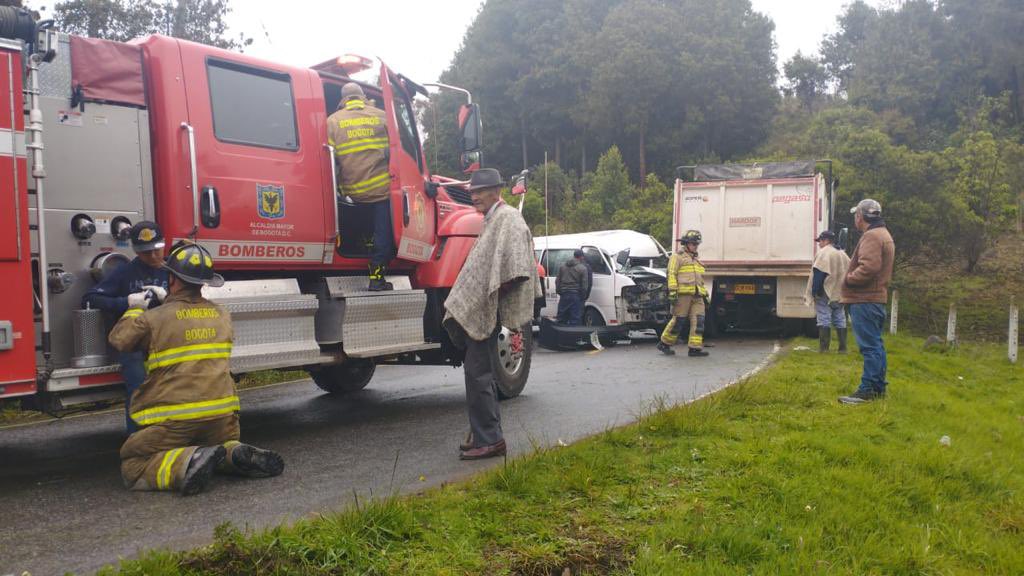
x: 769, y: 477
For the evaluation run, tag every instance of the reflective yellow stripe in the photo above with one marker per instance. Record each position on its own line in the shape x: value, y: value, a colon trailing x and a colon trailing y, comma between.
x: 367, y: 185
x: 163, y: 474
x: 189, y: 348
x: 692, y: 268
x: 189, y: 411
x: 132, y: 313
x: 188, y: 358
x: 353, y: 146
x: 355, y: 105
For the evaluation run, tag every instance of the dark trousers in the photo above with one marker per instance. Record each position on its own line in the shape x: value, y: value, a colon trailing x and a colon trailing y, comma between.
x: 482, y: 392
x: 133, y: 370
x: 868, y: 325
x: 383, y: 236
x: 570, y: 308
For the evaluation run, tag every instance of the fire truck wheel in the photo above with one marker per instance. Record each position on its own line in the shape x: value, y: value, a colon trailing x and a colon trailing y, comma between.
x: 350, y: 376
x: 511, y: 369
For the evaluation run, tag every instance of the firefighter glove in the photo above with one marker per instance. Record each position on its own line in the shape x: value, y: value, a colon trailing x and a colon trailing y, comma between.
x: 158, y: 292
x: 673, y: 294
x: 139, y: 299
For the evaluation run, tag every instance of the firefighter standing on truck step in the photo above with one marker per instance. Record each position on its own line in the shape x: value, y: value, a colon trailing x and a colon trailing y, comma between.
x: 687, y: 292
x: 187, y: 408
x: 358, y: 134
x: 141, y: 283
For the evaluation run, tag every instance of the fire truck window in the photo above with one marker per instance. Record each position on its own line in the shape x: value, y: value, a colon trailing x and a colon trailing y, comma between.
x: 252, y: 106
x: 407, y: 130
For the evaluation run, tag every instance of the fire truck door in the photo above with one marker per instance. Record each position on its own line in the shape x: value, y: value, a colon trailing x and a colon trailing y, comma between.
x: 412, y: 211
x: 259, y: 161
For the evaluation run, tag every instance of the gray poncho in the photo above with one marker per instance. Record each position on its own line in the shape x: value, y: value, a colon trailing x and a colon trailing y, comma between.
x: 502, y: 255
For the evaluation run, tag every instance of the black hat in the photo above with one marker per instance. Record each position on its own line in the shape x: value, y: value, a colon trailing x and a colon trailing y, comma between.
x: 146, y: 236
x: 193, y: 264
x: 485, y: 178
x: 577, y: 253
x: 827, y: 235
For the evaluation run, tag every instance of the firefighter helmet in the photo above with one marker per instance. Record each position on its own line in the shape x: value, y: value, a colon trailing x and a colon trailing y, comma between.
x: 352, y: 90
x: 146, y: 236
x: 690, y: 237
x: 193, y: 264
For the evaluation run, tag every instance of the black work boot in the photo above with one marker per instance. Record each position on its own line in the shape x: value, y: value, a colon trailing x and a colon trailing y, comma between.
x: 841, y: 336
x: 696, y: 353
x: 824, y: 338
x: 200, y: 468
x: 377, y: 281
x: 256, y: 462
x: 665, y: 349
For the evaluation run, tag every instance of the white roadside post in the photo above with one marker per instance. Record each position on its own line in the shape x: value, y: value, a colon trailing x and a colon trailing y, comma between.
x: 951, y: 326
x: 1012, y: 344
x: 894, y: 313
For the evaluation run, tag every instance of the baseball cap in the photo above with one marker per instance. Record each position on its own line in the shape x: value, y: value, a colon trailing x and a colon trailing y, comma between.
x: 146, y: 236
x: 868, y: 207
x: 827, y: 235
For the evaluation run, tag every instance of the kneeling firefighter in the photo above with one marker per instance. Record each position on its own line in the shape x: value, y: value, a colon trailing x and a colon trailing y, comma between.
x: 187, y: 407
x: 687, y: 292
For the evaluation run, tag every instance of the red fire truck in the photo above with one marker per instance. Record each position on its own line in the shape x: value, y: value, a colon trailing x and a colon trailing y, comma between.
x: 229, y: 151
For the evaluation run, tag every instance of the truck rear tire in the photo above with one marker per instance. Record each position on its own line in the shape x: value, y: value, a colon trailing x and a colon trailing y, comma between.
x: 344, y: 378
x: 511, y: 371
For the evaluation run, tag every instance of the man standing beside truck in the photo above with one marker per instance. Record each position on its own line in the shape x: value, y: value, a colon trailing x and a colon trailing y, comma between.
x: 572, y: 286
x: 687, y: 292
x: 865, y: 290
x: 827, y: 273
x: 359, y: 135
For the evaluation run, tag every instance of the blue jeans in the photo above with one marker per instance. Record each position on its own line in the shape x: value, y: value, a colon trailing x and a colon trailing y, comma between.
x: 133, y: 370
x: 868, y: 322
x: 833, y: 315
x: 383, y: 236
x: 570, y: 308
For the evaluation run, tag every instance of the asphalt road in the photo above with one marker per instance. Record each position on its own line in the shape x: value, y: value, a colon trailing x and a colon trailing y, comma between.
x: 63, y: 507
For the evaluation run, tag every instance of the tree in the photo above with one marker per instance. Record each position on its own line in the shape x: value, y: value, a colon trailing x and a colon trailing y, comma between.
x: 649, y: 211
x: 200, y: 21
x: 610, y: 189
x: 839, y: 50
x: 807, y: 78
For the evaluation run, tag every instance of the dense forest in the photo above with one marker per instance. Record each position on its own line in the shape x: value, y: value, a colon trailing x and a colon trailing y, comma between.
x: 921, y: 106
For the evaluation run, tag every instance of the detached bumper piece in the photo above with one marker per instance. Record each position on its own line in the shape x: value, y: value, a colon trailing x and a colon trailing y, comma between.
x: 554, y: 336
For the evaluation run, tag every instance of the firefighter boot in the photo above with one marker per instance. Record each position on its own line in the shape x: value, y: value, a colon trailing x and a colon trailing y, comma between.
x: 697, y: 353
x: 665, y: 349
x: 841, y: 336
x: 200, y: 468
x: 256, y: 462
x: 824, y: 338
x: 377, y: 281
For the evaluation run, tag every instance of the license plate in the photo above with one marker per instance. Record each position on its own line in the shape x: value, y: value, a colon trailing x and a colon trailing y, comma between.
x: 745, y: 289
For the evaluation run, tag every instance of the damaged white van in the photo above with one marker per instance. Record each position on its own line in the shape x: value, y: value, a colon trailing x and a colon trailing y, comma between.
x: 629, y: 276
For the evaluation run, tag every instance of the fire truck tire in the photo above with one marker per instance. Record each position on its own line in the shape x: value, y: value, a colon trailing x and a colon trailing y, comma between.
x: 510, y: 370
x: 345, y: 378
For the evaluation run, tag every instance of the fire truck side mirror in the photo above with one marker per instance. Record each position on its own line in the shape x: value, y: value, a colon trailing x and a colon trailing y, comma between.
x: 470, y: 129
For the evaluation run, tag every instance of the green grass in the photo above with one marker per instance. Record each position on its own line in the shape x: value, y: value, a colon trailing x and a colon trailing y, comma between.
x: 771, y: 476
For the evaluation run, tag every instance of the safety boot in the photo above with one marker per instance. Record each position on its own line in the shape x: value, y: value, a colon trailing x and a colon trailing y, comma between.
x: 200, y: 468
x: 824, y: 338
x: 665, y: 349
x: 697, y: 353
x: 841, y: 336
x: 377, y: 281
x: 256, y: 462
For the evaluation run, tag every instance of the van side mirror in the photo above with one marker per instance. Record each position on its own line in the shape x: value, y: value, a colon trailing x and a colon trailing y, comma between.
x: 843, y: 238
x: 470, y: 129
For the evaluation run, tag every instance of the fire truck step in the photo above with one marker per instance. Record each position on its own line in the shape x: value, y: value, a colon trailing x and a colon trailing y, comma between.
x: 371, y: 324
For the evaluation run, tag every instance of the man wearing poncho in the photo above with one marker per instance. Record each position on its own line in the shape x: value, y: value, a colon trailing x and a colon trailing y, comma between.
x: 496, y: 287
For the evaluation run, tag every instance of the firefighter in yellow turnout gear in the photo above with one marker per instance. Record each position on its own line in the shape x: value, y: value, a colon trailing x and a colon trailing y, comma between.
x: 359, y: 135
x: 187, y: 407
x: 687, y: 292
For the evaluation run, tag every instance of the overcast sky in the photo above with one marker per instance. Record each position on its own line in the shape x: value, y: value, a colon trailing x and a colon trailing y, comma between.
x: 419, y: 38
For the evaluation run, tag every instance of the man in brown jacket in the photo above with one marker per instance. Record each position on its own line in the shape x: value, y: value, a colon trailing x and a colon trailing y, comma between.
x: 187, y: 407
x: 865, y: 291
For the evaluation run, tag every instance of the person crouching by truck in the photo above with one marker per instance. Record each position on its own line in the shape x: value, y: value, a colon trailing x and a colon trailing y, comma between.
x: 187, y: 407
x: 687, y: 292
x: 140, y: 283
x: 572, y: 286
x: 823, y: 288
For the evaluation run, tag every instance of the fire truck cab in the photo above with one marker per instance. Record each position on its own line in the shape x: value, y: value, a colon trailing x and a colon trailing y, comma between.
x: 229, y: 151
